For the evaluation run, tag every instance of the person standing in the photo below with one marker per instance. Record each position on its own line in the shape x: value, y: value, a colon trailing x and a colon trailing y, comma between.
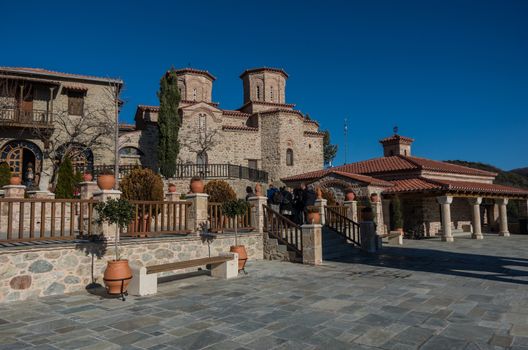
x: 309, y: 199
x: 286, y: 205
x: 249, y: 193
x: 298, y: 204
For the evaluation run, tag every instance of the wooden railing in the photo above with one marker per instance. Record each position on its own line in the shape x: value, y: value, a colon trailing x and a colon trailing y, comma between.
x: 155, y: 218
x: 339, y: 209
x: 45, y: 219
x: 16, y: 117
x: 221, y: 223
x: 342, y: 225
x: 283, y: 229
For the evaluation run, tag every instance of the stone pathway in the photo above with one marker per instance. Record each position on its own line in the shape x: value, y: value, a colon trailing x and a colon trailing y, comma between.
x: 428, y: 294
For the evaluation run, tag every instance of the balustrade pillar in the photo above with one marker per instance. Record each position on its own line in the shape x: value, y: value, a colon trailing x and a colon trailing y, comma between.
x: 503, y: 217
x: 321, y: 204
x: 477, y: 230
x: 351, y: 210
x: 445, y: 205
x: 14, y: 191
x: 257, y: 212
x: 377, y: 212
x: 197, y: 212
x: 312, y: 244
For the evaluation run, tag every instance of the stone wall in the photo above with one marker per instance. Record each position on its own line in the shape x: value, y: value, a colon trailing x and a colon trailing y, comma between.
x: 36, y: 271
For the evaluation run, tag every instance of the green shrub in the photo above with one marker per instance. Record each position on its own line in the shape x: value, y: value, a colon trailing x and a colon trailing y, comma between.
x: 115, y: 211
x: 234, y: 208
x: 5, y: 174
x: 142, y: 185
x: 397, y: 216
x: 219, y: 191
x: 66, y: 180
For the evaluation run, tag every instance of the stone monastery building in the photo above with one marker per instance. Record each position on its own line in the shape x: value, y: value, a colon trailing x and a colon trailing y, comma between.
x: 264, y: 133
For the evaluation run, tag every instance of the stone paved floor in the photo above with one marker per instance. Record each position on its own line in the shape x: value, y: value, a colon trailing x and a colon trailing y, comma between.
x: 428, y: 294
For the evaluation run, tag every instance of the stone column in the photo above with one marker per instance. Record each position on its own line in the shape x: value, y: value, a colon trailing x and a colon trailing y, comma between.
x: 41, y: 194
x: 257, y: 212
x: 385, y: 205
x: 477, y: 230
x: 377, y: 211
x: 172, y: 196
x: 106, y: 229
x: 503, y: 217
x: 312, y: 244
x: 14, y: 191
x: 321, y: 204
x: 88, y: 188
x: 445, y: 203
x: 197, y: 212
x: 351, y: 210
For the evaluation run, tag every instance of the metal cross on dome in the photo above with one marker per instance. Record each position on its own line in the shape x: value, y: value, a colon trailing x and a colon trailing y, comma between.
x: 395, y: 129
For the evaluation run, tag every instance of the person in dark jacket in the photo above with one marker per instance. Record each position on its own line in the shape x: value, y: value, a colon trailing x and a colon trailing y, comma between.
x: 249, y: 192
x: 286, y: 206
x: 309, y: 199
x: 298, y: 204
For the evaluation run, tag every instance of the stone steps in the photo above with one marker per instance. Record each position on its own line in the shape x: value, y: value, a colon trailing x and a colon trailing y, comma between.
x: 335, y: 246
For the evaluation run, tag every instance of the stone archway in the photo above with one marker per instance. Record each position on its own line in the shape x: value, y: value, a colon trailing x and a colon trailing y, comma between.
x: 24, y: 159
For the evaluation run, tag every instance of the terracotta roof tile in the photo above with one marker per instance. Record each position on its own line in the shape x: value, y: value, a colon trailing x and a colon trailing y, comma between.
x: 314, y: 133
x: 413, y: 185
x: 396, y: 137
x: 239, y: 128
x: 196, y: 71
x: 265, y: 69
x: 434, y: 165
x: 235, y: 113
x: 364, y: 178
x: 378, y: 165
x: 41, y: 71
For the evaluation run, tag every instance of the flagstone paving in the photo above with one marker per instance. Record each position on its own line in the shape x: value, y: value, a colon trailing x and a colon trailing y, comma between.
x: 428, y: 294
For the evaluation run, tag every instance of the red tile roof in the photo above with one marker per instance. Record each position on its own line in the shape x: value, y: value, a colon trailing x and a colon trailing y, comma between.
x: 265, y: 69
x: 148, y: 108
x: 421, y: 184
x: 315, y: 175
x: 287, y: 105
x: 239, y: 128
x: 41, y: 71
x: 75, y: 87
x: 196, y: 71
x: 314, y: 133
x: 398, y: 138
x: 434, y: 165
x: 235, y: 113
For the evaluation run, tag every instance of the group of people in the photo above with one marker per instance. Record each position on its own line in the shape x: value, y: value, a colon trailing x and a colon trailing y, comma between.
x: 292, y: 203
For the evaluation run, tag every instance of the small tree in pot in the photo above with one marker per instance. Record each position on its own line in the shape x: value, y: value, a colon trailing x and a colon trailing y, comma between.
x: 397, y: 217
x: 117, y: 274
x: 233, y: 209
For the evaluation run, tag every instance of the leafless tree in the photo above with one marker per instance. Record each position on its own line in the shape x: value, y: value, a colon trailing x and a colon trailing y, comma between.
x: 204, y: 141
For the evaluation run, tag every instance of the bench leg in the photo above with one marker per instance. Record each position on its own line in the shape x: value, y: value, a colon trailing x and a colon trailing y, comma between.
x: 141, y: 283
x: 226, y: 270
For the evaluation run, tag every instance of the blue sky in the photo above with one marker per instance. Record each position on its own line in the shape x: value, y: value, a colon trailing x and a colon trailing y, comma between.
x: 451, y: 74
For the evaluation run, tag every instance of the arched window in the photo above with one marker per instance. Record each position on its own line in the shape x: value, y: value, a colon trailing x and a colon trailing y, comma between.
x: 194, y: 94
x: 289, y: 157
x: 130, y: 151
x: 258, y: 92
x: 271, y: 93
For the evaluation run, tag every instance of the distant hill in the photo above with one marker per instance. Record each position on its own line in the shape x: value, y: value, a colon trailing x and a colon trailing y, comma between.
x: 520, y: 171
x: 515, y: 178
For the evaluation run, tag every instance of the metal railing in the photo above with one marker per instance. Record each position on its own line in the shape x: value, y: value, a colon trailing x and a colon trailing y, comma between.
x: 17, y: 117
x: 221, y: 223
x: 283, y: 229
x: 155, y: 218
x: 36, y: 219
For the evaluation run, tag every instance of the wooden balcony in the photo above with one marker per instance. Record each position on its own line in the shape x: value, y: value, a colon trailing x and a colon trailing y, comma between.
x: 17, y: 118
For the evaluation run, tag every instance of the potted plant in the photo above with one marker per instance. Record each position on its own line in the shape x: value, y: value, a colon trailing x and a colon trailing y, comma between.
x: 5, y: 174
x: 117, y: 274
x: 106, y: 179
x: 314, y: 215
x: 197, y: 185
x: 397, y: 217
x: 15, y: 180
x: 172, y: 187
x: 233, y: 209
x: 87, y: 177
x: 350, y: 195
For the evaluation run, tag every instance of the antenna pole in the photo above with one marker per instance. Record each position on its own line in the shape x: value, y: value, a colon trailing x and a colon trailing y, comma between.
x: 346, y: 139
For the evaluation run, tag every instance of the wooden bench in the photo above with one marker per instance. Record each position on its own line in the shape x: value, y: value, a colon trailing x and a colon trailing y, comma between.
x: 145, y: 278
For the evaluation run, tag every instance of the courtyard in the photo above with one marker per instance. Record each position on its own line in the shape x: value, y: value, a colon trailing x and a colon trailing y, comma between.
x: 427, y: 294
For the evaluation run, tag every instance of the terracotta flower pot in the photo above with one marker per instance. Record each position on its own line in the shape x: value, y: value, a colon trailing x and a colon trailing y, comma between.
x: 87, y: 177
x: 319, y: 193
x: 242, y: 255
x: 15, y: 180
x: 197, y: 186
x: 172, y: 188
x: 314, y: 217
x: 117, y: 274
x: 374, y: 197
x: 350, y: 196
x: 106, y: 182
x: 258, y: 190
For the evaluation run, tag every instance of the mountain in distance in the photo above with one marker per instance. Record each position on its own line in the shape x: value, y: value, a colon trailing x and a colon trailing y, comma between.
x: 514, y: 178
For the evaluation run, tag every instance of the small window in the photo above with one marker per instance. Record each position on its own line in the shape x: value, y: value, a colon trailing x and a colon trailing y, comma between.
x: 271, y: 93
x: 194, y: 94
x: 405, y: 152
x: 258, y: 93
x: 252, y: 164
x: 289, y: 157
x: 75, y: 103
